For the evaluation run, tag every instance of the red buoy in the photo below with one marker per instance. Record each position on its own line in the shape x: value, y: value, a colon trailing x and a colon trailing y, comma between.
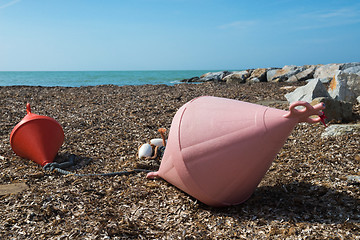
x: 37, y: 138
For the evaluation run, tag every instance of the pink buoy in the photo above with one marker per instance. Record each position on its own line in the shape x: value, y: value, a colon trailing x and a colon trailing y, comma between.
x: 219, y: 149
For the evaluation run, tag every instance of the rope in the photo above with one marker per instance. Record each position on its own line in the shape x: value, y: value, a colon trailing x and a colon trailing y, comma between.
x: 58, y: 167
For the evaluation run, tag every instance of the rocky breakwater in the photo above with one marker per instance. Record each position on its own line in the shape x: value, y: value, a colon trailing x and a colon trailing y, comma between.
x: 337, y: 85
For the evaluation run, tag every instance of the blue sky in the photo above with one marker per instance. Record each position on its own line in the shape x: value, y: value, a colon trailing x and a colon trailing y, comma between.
x: 75, y: 35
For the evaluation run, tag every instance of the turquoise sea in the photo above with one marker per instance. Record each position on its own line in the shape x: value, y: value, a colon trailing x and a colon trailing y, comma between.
x: 92, y: 78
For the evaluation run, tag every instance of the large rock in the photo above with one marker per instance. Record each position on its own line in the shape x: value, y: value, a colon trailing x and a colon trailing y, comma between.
x: 353, y: 67
x: 270, y: 74
x: 190, y: 80
x: 304, y: 75
x: 326, y: 71
x: 313, y: 89
x: 237, y: 77
x: 213, y: 76
x: 323, y: 80
x: 340, y: 129
x: 259, y: 73
x: 345, y: 86
x: 282, y: 75
x: 335, y: 110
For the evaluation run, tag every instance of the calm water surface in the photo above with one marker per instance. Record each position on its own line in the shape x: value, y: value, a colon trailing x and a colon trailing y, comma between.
x: 92, y: 78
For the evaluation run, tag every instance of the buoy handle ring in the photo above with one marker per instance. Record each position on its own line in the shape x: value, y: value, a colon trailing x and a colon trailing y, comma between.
x: 28, y: 109
x: 304, y: 114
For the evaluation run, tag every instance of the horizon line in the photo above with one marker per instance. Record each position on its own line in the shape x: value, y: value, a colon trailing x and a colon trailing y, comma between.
x: 144, y: 70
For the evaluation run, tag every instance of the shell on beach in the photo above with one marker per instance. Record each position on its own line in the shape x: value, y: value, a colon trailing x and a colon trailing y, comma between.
x: 219, y: 149
x: 145, y: 151
x: 157, y: 142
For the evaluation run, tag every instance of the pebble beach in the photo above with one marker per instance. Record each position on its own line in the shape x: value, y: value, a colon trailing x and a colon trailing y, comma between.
x: 304, y: 195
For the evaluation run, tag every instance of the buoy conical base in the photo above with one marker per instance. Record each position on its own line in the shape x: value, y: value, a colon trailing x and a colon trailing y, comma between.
x: 37, y: 138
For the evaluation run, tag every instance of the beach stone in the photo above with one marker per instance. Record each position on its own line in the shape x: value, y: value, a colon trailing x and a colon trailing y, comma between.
x: 213, y: 76
x: 259, y: 73
x: 237, y: 77
x: 288, y: 88
x: 303, y: 75
x: 205, y: 74
x: 335, y: 109
x: 353, y: 178
x: 270, y: 74
x: 254, y: 80
x: 353, y: 67
x: 322, y: 80
x: 307, y: 93
x: 345, y: 86
x: 282, y: 75
x: 193, y: 79
x: 326, y: 71
x: 340, y: 129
